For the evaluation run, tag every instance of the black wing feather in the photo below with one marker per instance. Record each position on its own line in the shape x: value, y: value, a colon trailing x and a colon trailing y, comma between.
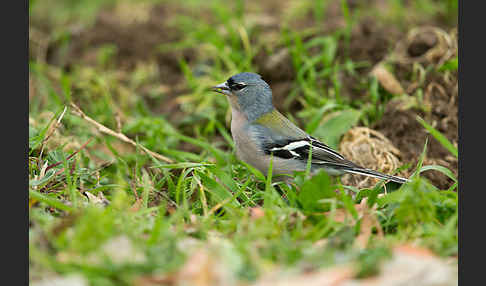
x: 300, y: 148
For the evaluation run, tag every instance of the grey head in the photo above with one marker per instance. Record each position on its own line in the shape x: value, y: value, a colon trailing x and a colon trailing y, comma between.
x: 248, y: 93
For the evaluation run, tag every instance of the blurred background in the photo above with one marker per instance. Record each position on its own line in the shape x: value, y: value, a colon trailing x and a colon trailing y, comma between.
x: 374, y: 79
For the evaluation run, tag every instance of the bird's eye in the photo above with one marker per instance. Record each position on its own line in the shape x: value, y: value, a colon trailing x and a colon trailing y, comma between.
x: 238, y: 86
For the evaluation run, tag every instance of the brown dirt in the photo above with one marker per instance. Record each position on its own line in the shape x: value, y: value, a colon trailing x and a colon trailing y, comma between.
x: 138, y: 31
x: 407, y: 134
x: 426, y: 46
x: 137, y: 37
x: 369, y: 41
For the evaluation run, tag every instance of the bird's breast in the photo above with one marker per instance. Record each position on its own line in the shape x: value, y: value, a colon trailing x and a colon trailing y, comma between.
x: 246, y: 148
x: 249, y: 151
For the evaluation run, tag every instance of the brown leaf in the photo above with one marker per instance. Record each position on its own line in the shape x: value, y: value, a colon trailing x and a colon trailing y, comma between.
x: 256, y: 212
x: 387, y: 79
x: 197, y: 270
x: 328, y: 277
x: 203, y: 269
x: 414, y: 250
x: 153, y: 280
x: 206, y: 264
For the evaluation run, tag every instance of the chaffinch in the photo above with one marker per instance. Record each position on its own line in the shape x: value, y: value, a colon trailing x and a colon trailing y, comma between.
x: 260, y: 131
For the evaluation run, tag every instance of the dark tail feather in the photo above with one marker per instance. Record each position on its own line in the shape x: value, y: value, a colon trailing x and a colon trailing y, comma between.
x: 375, y: 174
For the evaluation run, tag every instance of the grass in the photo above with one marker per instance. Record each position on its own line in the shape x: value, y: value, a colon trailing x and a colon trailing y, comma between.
x: 159, y: 214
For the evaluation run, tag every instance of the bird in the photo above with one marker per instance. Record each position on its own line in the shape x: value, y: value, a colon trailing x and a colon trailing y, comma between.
x: 261, y: 134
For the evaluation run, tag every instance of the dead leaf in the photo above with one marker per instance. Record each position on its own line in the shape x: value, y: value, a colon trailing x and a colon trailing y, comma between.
x: 153, y: 280
x: 256, y: 212
x: 387, y: 79
x: 328, y: 277
x: 205, y: 267
x: 414, y: 250
x: 198, y: 270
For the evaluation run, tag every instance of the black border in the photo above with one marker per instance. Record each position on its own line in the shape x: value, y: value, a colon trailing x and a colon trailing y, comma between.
x: 471, y: 127
x: 15, y: 116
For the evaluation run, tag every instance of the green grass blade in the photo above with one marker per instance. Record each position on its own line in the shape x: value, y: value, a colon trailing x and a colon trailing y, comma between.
x: 441, y: 169
x: 49, y: 201
x: 437, y: 135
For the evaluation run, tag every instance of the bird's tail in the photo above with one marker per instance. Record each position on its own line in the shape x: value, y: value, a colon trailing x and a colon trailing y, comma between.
x: 375, y: 174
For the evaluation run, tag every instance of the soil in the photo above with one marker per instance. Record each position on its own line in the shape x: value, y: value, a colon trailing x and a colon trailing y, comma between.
x: 407, y: 134
x: 137, y: 40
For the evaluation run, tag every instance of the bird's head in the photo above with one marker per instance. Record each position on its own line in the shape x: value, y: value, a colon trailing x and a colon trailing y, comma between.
x: 248, y: 93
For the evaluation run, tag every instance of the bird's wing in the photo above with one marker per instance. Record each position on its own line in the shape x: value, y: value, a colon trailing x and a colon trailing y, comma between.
x: 282, y: 138
x: 302, y: 148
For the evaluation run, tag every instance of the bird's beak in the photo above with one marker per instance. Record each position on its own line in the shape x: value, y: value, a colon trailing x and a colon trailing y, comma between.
x: 221, y: 88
